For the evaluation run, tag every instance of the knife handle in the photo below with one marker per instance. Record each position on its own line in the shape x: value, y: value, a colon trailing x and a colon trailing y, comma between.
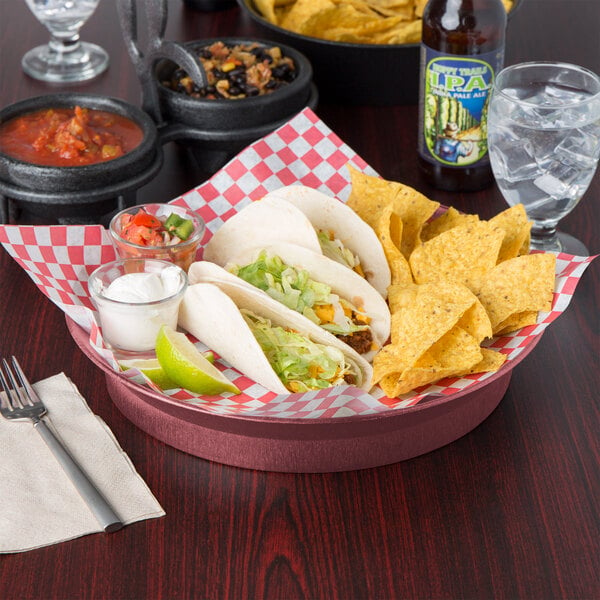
x: 102, y: 510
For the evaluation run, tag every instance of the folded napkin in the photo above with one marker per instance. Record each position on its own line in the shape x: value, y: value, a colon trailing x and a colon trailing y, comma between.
x: 39, y: 505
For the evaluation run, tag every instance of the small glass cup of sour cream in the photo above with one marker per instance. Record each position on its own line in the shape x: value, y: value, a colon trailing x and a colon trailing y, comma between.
x: 134, y: 298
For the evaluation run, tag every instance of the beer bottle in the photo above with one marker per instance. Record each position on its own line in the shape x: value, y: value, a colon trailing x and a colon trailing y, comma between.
x: 462, y: 49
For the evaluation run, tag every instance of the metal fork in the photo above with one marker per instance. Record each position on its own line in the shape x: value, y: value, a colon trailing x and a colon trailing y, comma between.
x: 22, y: 402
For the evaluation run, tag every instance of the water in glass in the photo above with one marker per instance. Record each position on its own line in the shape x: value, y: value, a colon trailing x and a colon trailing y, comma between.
x: 544, y: 144
x: 63, y: 15
x: 64, y: 58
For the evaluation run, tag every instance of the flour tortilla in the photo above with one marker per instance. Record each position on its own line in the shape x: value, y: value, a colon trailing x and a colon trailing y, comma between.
x: 330, y: 214
x: 211, y: 312
x: 260, y: 222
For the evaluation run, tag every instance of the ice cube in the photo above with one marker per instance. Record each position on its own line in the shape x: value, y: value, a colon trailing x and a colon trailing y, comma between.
x: 515, y: 92
x: 514, y: 160
x: 560, y: 181
x: 502, y: 134
x: 562, y: 94
x: 579, y: 149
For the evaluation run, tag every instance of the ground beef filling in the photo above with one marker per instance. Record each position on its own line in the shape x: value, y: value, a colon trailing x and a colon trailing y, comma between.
x: 361, y: 341
x: 350, y: 379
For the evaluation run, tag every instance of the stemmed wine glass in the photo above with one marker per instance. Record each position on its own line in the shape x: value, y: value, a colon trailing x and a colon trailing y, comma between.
x: 65, y: 58
x: 544, y: 144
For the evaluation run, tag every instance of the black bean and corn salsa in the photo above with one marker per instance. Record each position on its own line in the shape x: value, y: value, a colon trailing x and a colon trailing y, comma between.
x: 239, y: 71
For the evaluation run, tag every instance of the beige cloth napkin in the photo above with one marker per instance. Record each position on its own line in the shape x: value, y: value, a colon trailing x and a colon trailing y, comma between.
x: 39, y: 505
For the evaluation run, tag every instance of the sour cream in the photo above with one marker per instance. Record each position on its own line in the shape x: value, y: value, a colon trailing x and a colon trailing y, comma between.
x: 133, y: 306
x: 144, y: 287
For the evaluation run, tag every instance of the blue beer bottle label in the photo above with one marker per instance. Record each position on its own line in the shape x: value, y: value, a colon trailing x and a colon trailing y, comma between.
x: 454, y: 101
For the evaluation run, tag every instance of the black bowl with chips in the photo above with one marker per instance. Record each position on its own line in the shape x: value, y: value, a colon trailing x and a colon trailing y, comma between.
x: 217, y: 128
x: 351, y: 73
x: 347, y: 73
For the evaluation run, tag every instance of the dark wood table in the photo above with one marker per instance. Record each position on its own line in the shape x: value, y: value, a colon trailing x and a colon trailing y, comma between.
x: 509, y: 511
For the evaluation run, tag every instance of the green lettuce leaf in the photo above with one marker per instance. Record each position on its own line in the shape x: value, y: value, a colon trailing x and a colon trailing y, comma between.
x: 335, y: 250
x: 300, y: 363
x: 295, y: 289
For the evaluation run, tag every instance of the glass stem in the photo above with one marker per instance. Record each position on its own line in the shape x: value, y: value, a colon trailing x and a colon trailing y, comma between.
x: 544, y: 237
x: 64, y: 44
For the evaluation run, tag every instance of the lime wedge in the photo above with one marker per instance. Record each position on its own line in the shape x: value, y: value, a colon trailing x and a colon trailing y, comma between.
x: 151, y: 368
x: 187, y: 367
x: 209, y: 356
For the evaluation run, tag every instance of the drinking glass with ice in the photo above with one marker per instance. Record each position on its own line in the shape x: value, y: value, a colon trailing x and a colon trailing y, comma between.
x: 544, y: 144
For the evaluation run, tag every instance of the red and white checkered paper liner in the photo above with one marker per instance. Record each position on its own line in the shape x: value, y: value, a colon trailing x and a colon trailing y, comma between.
x: 59, y: 259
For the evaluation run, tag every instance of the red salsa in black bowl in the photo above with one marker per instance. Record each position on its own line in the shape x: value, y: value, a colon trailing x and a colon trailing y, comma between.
x: 74, y: 142
x: 69, y: 136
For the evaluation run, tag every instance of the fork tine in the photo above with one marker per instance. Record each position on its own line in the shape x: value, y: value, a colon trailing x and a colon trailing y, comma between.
x: 7, y: 390
x: 17, y: 396
x: 11, y: 388
x: 28, y: 390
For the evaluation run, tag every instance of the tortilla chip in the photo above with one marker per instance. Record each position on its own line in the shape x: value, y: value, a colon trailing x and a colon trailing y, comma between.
x: 451, y: 218
x: 388, y: 21
x: 454, y: 353
x: 525, y: 283
x: 303, y: 10
x: 267, y: 10
x: 359, y: 5
x: 463, y: 254
x: 491, y: 361
x: 420, y: 7
x: 517, y: 232
x: 517, y: 321
x: 423, y: 314
x: 414, y: 209
x: 404, y: 12
x: 403, y: 33
x: 380, y: 5
x: 476, y: 322
x: 389, y: 229
x: 370, y: 195
x: 400, y: 296
x: 346, y: 18
x: 328, y: 22
x: 281, y: 12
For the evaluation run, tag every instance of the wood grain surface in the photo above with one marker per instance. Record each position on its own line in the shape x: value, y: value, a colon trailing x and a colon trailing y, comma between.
x: 508, y: 511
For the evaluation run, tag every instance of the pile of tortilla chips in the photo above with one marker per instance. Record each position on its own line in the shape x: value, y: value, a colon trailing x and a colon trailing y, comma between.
x: 353, y: 21
x: 456, y: 281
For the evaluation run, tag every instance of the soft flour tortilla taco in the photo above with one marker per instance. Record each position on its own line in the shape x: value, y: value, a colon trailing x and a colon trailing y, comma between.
x: 322, y: 290
x: 342, y: 234
x: 303, y: 216
x: 274, y: 346
x: 260, y: 222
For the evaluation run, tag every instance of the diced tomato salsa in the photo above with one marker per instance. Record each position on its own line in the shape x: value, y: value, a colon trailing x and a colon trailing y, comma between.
x: 145, y: 229
x: 66, y: 137
x: 139, y: 233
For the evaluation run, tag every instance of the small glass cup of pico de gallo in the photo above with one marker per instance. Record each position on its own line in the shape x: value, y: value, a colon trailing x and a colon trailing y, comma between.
x: 159, y: 231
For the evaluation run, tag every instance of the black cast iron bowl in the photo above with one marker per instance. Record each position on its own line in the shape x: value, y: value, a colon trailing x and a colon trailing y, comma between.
x: 220, y: 128
x: 41, y: 178
x: 347, y: 73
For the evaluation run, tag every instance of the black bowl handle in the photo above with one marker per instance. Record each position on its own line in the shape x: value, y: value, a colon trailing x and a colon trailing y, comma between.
x: 145, y: 59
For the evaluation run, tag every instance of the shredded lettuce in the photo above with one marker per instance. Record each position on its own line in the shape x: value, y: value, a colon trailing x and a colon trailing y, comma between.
x: 300, y: 363
x: 334, y: 249
x: 295, y: 289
